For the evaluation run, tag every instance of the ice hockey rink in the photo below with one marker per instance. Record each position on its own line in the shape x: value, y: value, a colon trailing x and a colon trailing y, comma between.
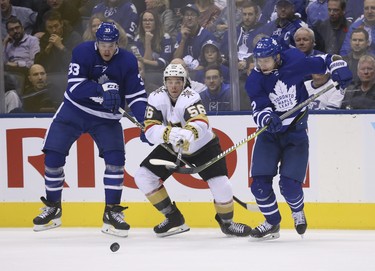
x: 88, y: 249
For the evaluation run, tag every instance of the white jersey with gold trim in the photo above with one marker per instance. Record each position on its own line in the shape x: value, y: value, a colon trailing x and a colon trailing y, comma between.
x: 188, y: 112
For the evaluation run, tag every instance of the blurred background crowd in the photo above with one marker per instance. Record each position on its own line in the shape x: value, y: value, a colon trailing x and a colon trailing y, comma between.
x: 38, y: 37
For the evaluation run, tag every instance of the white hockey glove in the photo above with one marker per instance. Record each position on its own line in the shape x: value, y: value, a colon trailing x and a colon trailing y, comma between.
x: 178, y: 135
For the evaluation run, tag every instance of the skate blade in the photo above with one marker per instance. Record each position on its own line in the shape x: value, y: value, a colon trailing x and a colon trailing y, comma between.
x: 174, y: 231
x: 109, y: 229
x: 54, y: 223
x: 270, y: 236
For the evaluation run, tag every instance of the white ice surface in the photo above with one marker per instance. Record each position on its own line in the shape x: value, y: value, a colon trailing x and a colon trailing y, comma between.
x: 87, y: 249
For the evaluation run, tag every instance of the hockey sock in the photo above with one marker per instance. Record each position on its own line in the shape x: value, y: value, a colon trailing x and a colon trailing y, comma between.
x: 266, y: 198
x: 225, y: 210
x: 161, y: 201
x: 292, y: 192
x: 54, y: 182
x: 113, y: 183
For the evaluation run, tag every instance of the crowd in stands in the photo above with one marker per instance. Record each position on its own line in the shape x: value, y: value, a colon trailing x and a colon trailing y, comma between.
x: 39, y: 35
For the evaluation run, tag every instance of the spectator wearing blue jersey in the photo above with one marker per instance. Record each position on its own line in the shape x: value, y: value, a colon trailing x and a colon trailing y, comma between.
x: 316, y: 11
x: 154, y: 46
x: 211, y: 55
x: 123, y: 12
x: 217, y: 96
x: 191, y: 37
x: 331, y: 33
x: 276, y: 86
x: 286, y: 24
x: 102, y: 77
x: 366, y: 22
x: 354, y: 10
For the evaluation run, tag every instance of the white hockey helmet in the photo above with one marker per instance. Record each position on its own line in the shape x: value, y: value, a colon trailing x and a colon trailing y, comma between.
x: 175, y: 70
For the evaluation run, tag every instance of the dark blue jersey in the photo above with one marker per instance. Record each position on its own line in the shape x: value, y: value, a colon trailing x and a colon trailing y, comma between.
x: 87, y: 71
x: 284, y: 88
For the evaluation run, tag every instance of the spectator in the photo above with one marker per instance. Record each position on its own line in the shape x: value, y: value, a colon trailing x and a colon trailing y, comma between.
x: 354, y: 10
x: 121, y: 11
x: 191, y: 38
x: 93, y: 25
x: 211, y: 55
x: 154, y: 47
x: 25, y: 15
x: 57, y: 44
x: 166, y: 15
x: 359, y: 46
x: 269, y: 10
x: 331, y: 99
x: 246, y: 33
x: 305, y: 41
x: 362, y: 95
x: 366, y: 22
x: 286, y: 24
x: 38, y: 96
x: 316, y: 11
x: 216, y: 97
x: 208, y: 14
x: 13, y: 102
x: 331, y: 33
x: 221, y: 23
x: 69, y: 13
x: 19, y: 48
x: 31, y: 4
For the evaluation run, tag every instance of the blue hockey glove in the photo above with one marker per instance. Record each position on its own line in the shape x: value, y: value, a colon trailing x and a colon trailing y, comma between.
x: 341, y: 73
x: 143, y: 138
x: 111, y: 97
x: 274, y: 123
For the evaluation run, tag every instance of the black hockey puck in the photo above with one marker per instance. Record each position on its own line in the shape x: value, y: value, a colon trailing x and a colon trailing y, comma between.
x: 114, y: 247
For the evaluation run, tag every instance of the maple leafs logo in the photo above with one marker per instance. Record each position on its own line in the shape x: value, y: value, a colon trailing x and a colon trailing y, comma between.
x: 102, y: 79
x: 283, y: 98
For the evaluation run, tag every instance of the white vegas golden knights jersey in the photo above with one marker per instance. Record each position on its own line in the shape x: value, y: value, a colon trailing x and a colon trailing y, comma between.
x: 188, y: 112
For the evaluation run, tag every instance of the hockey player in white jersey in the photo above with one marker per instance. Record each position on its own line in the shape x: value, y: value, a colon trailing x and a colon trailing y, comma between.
x: 176, y: 116
x: 101, y: 79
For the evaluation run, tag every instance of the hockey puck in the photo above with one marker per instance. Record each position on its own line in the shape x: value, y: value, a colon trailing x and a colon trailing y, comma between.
x: 114, y: 247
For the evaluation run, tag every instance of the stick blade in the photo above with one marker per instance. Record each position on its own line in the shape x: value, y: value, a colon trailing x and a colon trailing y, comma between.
x: 161, y: 162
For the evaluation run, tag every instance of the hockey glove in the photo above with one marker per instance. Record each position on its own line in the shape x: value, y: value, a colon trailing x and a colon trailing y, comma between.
x: 341, y: 73
x: 143, y: 138
x: 178, y: 135
x: 111, y: 97
x: 274, y: 123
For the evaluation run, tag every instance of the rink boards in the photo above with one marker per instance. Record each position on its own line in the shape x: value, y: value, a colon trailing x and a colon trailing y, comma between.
x: 339, y: 187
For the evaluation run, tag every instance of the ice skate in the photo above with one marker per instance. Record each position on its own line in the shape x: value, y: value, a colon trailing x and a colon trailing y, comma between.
x: 265, y: 231
x: 113, y: 221
x: 233, y: 228
x: 300, y: 223
x: 50, y: 217
x: 173, y: 224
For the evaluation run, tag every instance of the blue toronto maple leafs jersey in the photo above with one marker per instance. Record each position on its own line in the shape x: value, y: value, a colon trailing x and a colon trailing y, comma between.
x: 87, y: 71
x: 284, y: 88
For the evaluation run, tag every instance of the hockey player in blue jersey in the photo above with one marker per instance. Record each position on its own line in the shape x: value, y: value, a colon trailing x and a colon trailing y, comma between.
x: 101, y: 79
x: 275, y: 86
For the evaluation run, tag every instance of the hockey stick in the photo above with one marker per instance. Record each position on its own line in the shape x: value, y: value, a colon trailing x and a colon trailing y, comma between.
x: 193, y: 170
x: 253, y: 208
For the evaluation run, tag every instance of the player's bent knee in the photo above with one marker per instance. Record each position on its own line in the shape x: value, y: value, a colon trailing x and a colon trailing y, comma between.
x: 261, y: 186
x: 146, y: 180
x: 54, y: 159
x: 221, y: 189
x: 289, y: 188
x: 114, y: 158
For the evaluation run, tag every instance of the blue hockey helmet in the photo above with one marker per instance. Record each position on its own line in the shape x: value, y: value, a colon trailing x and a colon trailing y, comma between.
x: 266, y: 47
x: 107, y: 32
